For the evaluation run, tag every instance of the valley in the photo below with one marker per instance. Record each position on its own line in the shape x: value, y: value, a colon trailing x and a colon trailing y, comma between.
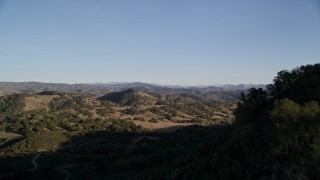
x: 38, y: 128
x: 173, y: 134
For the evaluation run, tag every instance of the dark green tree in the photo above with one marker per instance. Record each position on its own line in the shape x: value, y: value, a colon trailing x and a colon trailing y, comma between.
x: 300, y: 85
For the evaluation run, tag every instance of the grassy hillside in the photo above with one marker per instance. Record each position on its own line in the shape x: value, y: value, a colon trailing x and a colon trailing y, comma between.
x: 7, y: 91
x: 24, y: 113
x: 274, y: 134
x: 129, y: 97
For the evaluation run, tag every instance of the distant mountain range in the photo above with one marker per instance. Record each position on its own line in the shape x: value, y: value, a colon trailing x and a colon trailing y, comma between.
x: 221, y: 92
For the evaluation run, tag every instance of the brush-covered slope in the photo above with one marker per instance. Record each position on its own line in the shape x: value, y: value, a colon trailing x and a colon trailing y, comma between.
x: 7, y: 91
x: 130, y: 97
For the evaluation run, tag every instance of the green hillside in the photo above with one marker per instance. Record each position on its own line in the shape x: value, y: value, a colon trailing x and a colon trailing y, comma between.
x: 275, y: 135
x: 129, y: 97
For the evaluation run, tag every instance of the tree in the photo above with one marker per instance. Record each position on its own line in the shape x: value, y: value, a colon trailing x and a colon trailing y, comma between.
x: 286, y: 109
x: 252, y: 106
x: 300, y: 85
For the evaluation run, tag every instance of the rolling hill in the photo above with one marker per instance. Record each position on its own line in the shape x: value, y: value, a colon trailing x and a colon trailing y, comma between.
x: 130, y: 97
x: 224, y: 93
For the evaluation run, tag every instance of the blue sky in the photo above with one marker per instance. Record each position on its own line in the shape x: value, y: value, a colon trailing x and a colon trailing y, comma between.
x: 183, y: 42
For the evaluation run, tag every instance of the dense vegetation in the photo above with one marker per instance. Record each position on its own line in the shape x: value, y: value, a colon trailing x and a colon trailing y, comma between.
x: 280, y: 126
x: 128, y: 97
x: 276, y: 135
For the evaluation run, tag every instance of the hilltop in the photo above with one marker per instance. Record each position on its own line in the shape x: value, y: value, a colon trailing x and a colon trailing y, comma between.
x: 130, y: 97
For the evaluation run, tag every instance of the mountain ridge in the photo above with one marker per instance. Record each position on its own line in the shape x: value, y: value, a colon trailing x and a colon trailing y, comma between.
x: 224, y: 92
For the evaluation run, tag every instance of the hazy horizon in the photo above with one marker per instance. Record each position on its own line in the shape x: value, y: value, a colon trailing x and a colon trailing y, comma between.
x: 105, y: 83
x: 179, y: 42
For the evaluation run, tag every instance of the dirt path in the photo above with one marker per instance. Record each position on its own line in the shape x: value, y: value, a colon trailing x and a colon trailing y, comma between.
x: 140, y: 138
x: 34, y: 163
x: 7, y: 176
x: 64, y: 170
x: 162, y: 126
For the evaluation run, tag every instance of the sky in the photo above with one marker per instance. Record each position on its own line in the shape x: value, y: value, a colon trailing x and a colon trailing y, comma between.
x: 177, y: 42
